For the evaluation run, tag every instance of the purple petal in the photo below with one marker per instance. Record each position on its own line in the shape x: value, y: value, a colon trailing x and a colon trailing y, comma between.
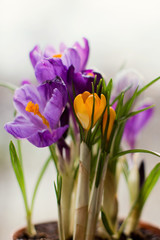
x: 48, y: 69
x: 46, y: 89
x: 49, y: 51
x: 22, y: 96
x: 35, y: 55
x: 124, y: 79
x: 62, y: 47
x: 25, y: 81
x: 53, y: 109
x: 71, y: 57
x: 46, y: 138
x: 83, y: 53
x: 136, y: 123
x: 20, y: 128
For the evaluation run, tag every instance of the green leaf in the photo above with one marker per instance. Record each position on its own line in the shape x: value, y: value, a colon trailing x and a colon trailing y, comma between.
x: 149, y: 184
x: 106, y: 223
x: 134, y: 151
x: 99, y: 86
x: 130, y: 102
x: 17, y: 167
x: 101, y: 162
x: 147, y: 86
x: 10, y: 86
x: 54, y: 155
x: 131, y: 114
x: 58, y: 188
x: 39, y: 180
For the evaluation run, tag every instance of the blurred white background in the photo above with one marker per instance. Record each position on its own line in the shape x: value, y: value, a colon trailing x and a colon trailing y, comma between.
x: 120, y: 33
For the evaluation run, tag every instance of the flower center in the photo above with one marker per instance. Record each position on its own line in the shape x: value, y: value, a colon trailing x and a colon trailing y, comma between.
x: 34, y: 108
x: 57, y: 55
x: 90, y: 74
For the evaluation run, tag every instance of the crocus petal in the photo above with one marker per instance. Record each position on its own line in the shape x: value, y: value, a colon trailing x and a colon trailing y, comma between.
x: 136, y: 123
x: 35, y: 55
x: 21, y: 128
x: 124, y: 79
x: 111, y: 121
x: 71, y: 57
x: 83, y: 53
x: 62, y: 47
x: 46, y: 138
x: 81, y: 111
x: 89, y: 104
x: 46, y: 89
x: 49, y: 51
x: 25, y: 81
x: 22, y: 97
x: 53, y: 109
x: 101, y: 108
x: 48, y: 69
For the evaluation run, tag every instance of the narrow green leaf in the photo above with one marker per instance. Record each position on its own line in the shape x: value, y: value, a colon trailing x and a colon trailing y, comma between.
x: 100, y: 168
x: 149, y: 185
x: 39, y: 180
x: 54, y: 155
x: 19, y: 173
x: 134, y: 151
x: 10, y: 86
x: 99, y: 87
x: 106, y: 223
x: 131, y: 114
x: 147, y: 86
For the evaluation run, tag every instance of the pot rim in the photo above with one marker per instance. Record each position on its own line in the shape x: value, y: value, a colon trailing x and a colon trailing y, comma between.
x: 142, y: 224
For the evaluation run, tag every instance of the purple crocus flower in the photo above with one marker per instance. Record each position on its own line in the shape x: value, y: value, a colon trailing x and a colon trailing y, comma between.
x: 76, y: 56
x: 136, y: 123
x: 126, y: 78
x: 39, y: 110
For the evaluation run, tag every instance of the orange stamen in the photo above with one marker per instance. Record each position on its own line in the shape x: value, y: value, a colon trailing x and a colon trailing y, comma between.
x: 90, y: 74
x: 57, y: 55
x: 34, y: 108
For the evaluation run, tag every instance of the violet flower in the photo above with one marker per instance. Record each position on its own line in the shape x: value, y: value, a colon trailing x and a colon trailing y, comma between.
x: 124, y: 79
x: 39, y: 110
x: 135, y: 124
x: 76, y: 56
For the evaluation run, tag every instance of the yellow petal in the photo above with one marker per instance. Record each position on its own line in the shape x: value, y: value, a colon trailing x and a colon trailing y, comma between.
x: 89, y: 104
x: 101, y: 108
x: 81, y: 111
x: 85, y: 95
x: 111, y: 121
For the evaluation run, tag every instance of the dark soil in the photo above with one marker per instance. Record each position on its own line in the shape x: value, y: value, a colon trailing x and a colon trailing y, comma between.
x: 48, y: 231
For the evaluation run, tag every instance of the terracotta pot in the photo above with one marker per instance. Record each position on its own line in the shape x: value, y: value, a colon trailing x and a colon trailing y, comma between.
x: 49, y: 231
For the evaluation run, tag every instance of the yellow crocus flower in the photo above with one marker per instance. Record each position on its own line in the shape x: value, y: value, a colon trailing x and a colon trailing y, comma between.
x: 83, y: 106
x: 112, y: 117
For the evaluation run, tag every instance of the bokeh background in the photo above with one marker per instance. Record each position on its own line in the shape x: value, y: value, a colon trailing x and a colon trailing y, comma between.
x: 121, y: 33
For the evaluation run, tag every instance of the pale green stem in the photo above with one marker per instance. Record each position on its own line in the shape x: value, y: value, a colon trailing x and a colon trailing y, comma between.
x: 10, y: 86
x: 81, y: 211
x: 31, y: 231
x: 110, y: 203
x: 60, y: 224
x: 132, y: 222
x: 95, y: 203
x: 67, y: 187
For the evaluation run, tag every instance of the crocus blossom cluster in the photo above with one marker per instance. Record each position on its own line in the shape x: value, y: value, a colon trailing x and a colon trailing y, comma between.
x: 84, y: 120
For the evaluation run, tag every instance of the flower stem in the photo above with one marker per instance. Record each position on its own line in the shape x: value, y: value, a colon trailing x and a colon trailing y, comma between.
x: 67, y: 187
x: 96, y: 199
x: 31, y: 231
x: 110, y: 204
x: 81, y: 211
x: 60, y: 224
